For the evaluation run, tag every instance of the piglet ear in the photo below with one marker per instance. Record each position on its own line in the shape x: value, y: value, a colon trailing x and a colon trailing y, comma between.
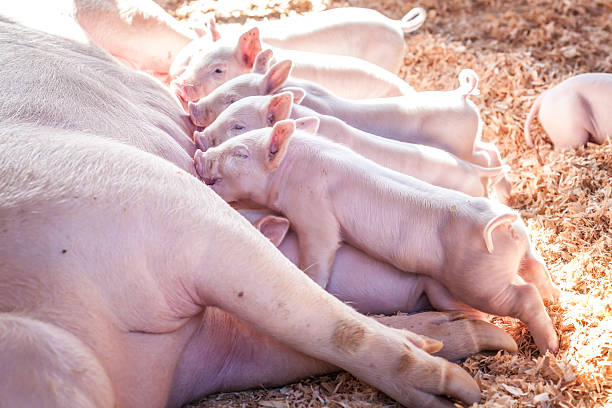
x: 248, y: 47
x: 298, y: 93
x: 262, y: 61
x: 308, y: 124
x: 276, y: 76
x: 273, y: 227
x: 212, y: 24
x: 279, y: 107
x: 277, y: 143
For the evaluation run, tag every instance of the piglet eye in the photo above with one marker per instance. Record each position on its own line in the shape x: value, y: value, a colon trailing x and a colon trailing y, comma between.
x: 241, y: 154
x: 271, y: 119
x: 238, y: 127
x: 218, y: 71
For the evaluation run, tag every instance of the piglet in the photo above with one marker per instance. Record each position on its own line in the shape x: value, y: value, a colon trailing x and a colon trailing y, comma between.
x: 473, y: 246
x: 358, y: 32
x: 347, y: 76
x: 575, y: 112
x: 370, y: 286
x: 446, y: 120
x: 426, y: 163
x: 375, y: 287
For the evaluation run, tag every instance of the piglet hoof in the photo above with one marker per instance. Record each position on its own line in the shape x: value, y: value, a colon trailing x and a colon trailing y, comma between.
x: 461, y: 336
x: 503, y: 190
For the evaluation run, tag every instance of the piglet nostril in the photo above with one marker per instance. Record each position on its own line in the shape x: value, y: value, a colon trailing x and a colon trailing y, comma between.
x: 210, y: 181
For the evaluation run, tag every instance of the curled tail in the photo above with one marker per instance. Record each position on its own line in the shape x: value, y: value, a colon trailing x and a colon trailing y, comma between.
x: 532, y: 112
x: 413, y: 20
x: 498, y: 172
x: 468, y: 82
x: 507, y: 218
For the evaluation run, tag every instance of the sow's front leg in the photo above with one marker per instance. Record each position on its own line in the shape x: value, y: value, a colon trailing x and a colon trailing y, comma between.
x: 233, y: 267
x: 243, y: 358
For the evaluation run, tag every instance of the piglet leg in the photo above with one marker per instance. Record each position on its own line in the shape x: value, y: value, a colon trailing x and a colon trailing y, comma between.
x: 523, y: 301
x: 318, y: 248
x: 502, y: 186
x: 441, y: 299
x: 533, y: 270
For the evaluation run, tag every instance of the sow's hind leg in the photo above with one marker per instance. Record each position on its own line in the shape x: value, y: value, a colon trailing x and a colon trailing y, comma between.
x: 46, y: 366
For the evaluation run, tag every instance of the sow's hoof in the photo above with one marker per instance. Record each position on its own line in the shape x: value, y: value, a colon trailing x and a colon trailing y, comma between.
x: 461, y: 336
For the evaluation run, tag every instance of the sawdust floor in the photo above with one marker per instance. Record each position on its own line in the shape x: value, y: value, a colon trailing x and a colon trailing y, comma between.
x: 518, y: 48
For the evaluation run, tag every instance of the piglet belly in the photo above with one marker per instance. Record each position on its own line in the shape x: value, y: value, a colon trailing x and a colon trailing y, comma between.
x: 373, y: 286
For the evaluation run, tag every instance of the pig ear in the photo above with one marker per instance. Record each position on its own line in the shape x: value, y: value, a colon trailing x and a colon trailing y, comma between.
x: 273, y: 227
x: 248, y: 47
x: 279, y: 107
x: 298, y: 93
x: 276, y: 76
x: 262, y: 61
x: 212, y: 24
x: 308, y: 124
x: 277, y: 143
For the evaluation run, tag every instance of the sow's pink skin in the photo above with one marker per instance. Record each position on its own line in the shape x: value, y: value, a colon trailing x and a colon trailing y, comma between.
x: 126, y: 282
x: 446, y: 120
x: 426, y: 163
x: 413, y: 225
x: 575, y: 112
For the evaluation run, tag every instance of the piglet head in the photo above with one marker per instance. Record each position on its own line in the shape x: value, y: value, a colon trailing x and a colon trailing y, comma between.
x: 253, y: 112
x: 208, y: 108
x: 241, y: 167
x: 201, y: 68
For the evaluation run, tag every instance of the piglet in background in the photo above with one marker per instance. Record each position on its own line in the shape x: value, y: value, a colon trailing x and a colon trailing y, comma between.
x: 347, y: 76
x: 576, y: 111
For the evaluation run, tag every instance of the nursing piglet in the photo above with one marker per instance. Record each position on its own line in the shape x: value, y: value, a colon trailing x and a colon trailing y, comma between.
x: 426, y: 163
x: 473, y: 246
x: 446, y: 120
x: 375, y: 287
x: 575, y: 112
x: 347, y: 76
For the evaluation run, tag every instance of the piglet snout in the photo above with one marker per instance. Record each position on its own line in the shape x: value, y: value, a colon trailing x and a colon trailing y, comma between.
x: 201, y: 141
x: 210, y: 181
x: 184, y: 90
x: 199, y: 116
x: 199, y: 162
